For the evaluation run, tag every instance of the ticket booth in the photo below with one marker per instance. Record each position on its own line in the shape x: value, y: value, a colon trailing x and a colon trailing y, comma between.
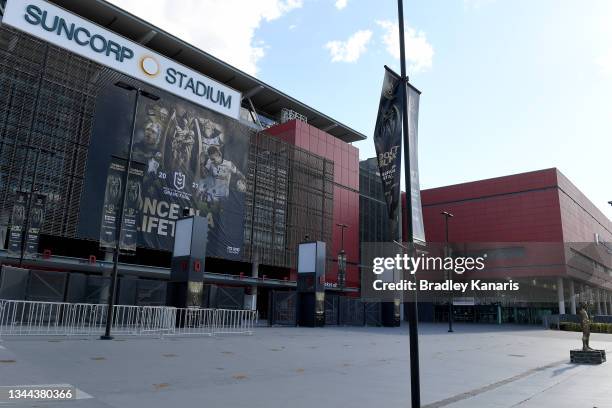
x: 185, y: 288
x: 310, y: 305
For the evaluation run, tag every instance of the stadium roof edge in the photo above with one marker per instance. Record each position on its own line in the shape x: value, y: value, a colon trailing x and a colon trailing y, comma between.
x: 266, y: 99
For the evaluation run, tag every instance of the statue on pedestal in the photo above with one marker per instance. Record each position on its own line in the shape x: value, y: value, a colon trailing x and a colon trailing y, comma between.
x: 585, y: 323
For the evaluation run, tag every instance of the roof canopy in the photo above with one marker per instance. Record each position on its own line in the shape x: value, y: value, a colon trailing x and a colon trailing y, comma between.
x: 267, y: 100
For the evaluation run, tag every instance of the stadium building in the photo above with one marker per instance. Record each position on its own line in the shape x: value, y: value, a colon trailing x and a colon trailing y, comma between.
x: 267, y: 170
x: 538, y: 229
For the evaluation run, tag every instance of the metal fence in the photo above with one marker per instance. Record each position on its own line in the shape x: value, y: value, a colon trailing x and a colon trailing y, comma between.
x: 30, y: 318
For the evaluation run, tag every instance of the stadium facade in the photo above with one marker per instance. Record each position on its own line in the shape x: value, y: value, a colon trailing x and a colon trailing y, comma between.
x: 537, y: 228
x: 267, y: 170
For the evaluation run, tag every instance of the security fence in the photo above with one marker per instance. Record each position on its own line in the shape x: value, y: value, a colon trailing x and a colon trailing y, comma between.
x: 31, y: 318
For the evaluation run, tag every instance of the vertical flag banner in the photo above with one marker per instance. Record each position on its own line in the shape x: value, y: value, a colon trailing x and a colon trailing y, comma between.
x: 112, y: 203
x: 35, y: 222
x: 388, y: 140
x: 413, y: 96
x: 17, y: 223
x: 131, y: 213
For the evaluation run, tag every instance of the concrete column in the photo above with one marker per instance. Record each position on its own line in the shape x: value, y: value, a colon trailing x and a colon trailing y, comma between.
x: 561, y: 295
x: 572, y: 297
x: 598, y: 300
x: 250, y: 301
x: 604, y: 303
x: 610, y: 303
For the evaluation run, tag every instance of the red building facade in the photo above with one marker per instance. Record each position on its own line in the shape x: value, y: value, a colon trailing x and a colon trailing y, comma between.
x: 565, y: 239
x: 346, y: 189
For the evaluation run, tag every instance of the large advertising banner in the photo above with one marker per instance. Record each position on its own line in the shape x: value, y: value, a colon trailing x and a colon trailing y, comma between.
x: 194, y: 159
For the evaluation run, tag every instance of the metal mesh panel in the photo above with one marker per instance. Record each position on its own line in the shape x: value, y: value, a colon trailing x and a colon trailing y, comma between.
x: 293, y: 199
x: 47, y: 101
x: 46, y: 286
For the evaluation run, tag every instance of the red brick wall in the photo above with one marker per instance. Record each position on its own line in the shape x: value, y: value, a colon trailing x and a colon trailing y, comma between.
x: 522, y: 207
x: 580, y: 218
x: 346, y: 188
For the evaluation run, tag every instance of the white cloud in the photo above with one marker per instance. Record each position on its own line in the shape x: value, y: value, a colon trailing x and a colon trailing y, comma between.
x: 225, y: 29
x: 340, y: 4
x: 476, y: 4
x: 351, y: 49
x: 604, y: 62
x: 419, y: 52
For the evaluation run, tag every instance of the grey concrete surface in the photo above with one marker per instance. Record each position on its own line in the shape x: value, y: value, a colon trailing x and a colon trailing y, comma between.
x: 477, y: 366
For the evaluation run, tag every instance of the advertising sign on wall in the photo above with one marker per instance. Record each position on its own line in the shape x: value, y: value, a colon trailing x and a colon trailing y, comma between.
x: 59, y: 27
x: 193, y: 158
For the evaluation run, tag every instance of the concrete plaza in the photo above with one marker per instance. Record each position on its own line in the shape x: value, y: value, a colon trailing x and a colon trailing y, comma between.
x: 477, y: 366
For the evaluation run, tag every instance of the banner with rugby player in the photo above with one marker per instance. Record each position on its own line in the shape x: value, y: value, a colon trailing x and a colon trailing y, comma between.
x: 194, y: 159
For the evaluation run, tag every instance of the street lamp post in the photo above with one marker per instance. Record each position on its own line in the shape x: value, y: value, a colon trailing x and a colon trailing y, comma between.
x: 342, y: 260
x: 24, y: 233
x: 113, y: 283
x: 448, y: 215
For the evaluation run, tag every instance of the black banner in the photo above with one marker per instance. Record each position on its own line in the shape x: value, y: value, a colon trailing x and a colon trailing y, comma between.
x: 112, y: 203
x: 17, y: 223
x: 37, y: 214
x: 128, y: 239
x: 194, y: 159
x: 388, y: 140
x: 413, y: 97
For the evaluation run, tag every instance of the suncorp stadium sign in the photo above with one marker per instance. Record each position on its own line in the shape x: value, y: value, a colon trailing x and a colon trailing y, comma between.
x: 66, y: 30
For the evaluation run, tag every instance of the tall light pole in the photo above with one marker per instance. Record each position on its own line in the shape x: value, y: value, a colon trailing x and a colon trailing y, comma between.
x: 448, y: 215
x: 342, y: 259
x: 119, y: 225
x: 412, y: 312
x: 24, y: 233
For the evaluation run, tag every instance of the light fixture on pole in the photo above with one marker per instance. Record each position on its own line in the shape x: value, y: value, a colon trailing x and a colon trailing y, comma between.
x: 448, y: 215
x: 113, y: 283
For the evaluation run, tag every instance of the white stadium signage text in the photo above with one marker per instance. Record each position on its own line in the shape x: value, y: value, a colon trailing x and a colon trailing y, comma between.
x: 66, y: 30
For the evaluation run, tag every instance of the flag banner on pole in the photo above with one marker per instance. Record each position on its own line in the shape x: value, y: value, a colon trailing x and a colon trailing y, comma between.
x: 413, y: 96
x: 131, y: 213
x: 112, y: 203
x: 17, y: 223
x: 35, y: 222
x: 388, y: 140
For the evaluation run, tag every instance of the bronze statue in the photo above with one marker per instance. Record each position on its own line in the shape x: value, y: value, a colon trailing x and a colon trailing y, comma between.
x: 585, y: 323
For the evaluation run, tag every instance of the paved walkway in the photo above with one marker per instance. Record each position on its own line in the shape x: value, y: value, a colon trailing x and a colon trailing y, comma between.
x: 477, y: 366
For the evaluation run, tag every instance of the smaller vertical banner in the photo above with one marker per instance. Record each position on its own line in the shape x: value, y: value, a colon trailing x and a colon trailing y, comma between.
x: 35, y: 222
x: 131, y: 213
x: 17, y: 223
x: 388, y: 139
x: 112, y: 203
x: 413, y: 97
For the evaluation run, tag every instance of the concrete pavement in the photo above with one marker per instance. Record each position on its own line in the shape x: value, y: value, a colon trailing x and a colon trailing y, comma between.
x: 477, y: 366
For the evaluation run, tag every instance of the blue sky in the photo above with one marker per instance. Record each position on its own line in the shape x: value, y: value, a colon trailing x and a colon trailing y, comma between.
x: 512, y: 85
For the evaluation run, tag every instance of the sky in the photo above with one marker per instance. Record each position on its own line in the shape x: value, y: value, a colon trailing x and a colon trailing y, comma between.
x: 508, y: 86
